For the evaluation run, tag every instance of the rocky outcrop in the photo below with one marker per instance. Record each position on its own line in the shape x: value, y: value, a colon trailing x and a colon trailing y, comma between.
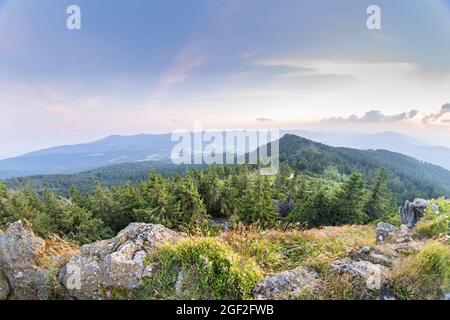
x: 100, y: 266
x: 412, y: 212
x: 114, y: 263
x: 19, y: 249
x: 289, y: 284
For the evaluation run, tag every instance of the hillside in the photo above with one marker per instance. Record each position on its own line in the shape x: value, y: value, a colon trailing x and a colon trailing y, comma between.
x: 409, y: 178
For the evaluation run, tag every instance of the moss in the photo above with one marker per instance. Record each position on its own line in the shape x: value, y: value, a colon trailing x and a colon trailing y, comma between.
x: 201, y: 268
x: 117, y: 293
x: 424, y: 275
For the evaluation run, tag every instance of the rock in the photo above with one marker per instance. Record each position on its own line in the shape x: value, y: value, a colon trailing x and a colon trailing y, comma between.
x: 403, y: 235
x: 372, y: 255
x: 412, y: 212
x: 19, y: 248
x: 385, y: 231
x: 287, y: 285
x: 373, y: 274
x: 116, y: 262
x: 4, y: 287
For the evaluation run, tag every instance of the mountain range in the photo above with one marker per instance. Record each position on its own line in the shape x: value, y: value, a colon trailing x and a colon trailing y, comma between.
x: 118, y: 149
x: 409, y: 177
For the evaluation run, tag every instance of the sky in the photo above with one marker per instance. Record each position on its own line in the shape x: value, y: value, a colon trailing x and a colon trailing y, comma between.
x: 144, y: 66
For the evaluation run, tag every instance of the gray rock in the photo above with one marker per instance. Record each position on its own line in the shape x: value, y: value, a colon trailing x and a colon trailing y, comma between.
x: 19, y: 248
x: 385, y: 231
x: 116, y: 262
x: 286, y: 285
x: 373, y: 274
x: 412, y: 212
x: 403, y: 235
x: 372, y: 255
x: 4, y: 287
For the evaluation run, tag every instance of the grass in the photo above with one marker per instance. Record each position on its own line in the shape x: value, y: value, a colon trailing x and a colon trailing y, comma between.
x: 425, y: 274
x: 201, y: 268
x: 434, y: 224
x: 276, y: 251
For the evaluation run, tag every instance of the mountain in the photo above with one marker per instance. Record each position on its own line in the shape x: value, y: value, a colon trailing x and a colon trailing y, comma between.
x: 81, y: 157
x: 410, y: 178
x: 391, y: 141
x: 118, y: 149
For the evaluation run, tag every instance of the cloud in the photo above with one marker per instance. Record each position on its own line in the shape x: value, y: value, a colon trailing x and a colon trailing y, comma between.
x: 374, y: 116
x: 438, y: 116
x: 264, y: 119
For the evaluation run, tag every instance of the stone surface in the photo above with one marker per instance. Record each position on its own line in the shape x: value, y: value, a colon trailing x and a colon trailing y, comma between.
x: 286, y: 285
x: 116, y: 262
x: 373, y: 274
x: 385, y: 231
x: 19, y: 248
x: 403, y: 235
x: 412, y: 212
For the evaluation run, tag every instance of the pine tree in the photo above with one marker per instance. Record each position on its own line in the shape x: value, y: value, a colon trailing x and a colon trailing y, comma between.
x: 380, y: 200
x: 349, y: 201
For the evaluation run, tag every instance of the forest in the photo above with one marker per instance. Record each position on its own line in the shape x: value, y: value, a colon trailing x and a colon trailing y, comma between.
x: 198, y: 201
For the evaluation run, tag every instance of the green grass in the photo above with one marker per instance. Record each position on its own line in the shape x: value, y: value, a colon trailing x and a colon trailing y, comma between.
x: 424, y: 275
x: 434, y: 224
x: 276, y: 251
x: 201, y: 268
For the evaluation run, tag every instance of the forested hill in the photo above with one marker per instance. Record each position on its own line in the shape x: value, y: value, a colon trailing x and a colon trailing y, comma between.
x: 409, y: 178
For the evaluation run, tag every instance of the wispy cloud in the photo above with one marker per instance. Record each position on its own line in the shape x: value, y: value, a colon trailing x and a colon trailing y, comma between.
x: 374, y: 116
x: 262, y: 119
x: 443, y: 115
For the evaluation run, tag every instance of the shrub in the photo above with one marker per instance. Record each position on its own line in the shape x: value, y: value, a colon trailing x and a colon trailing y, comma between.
x: 424, y: 275
x: 202, y: 268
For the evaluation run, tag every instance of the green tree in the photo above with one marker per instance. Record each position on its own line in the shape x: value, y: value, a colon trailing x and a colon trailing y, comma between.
x: 257, y: 202
x: 349, y: 201
x: 380, y: 201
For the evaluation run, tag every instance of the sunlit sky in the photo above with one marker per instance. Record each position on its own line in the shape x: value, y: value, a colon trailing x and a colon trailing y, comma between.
x: 143, y: 66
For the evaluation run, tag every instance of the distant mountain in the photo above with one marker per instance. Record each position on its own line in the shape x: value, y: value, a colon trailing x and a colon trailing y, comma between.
x: 81, y: 157
x: 117, y: 149
x: 410, y: 178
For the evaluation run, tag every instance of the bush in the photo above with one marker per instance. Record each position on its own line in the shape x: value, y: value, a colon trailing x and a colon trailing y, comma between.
x: 424, y: 275
x: 203, y: 268
x: 434, y: 224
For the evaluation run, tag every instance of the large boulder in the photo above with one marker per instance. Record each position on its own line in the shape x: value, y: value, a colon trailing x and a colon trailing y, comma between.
x: 19, y: 249
x: 289, y: 284
x: 412, y: 212
x: 106, y: 265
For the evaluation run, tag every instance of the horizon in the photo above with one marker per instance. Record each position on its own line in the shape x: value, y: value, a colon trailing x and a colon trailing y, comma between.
x: 286, y: 131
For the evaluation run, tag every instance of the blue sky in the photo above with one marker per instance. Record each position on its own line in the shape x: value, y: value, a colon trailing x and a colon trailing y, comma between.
x: 155, y: 66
